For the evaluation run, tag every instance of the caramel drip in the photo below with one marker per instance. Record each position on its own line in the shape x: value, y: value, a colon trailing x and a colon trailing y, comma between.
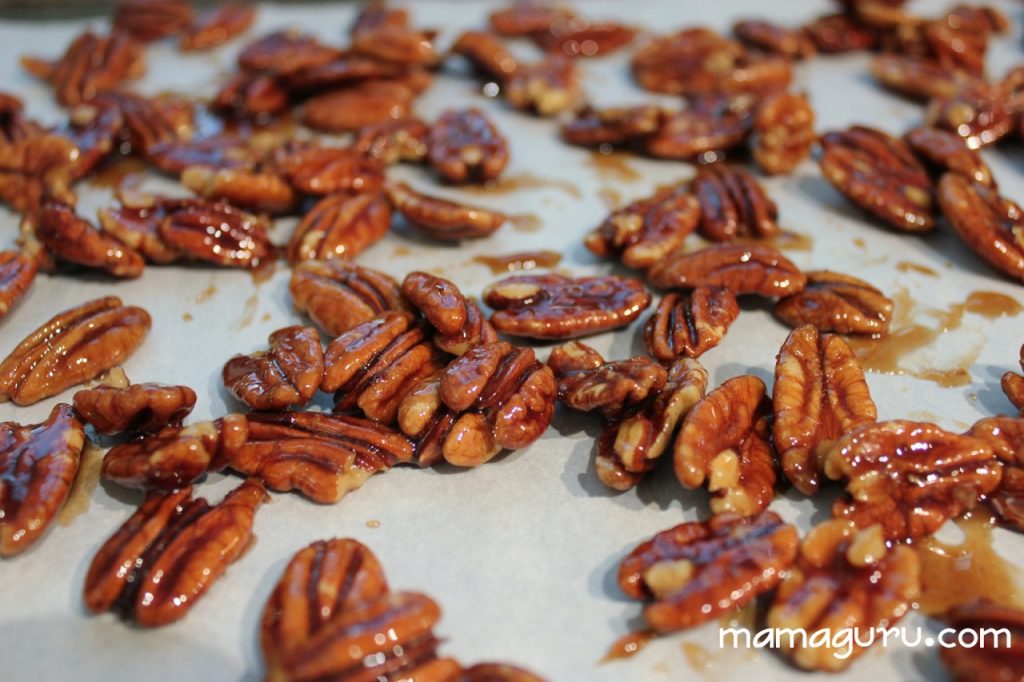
x: 525, y: 260
x: 613, y: 166
x: 508, y: 184
x: 628, y: 645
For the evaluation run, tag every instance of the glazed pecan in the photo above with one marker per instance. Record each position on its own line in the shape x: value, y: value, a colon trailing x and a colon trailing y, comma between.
x: 492, y: 397
x: 616, y: 126
x: 91, y: 64
x: 136, y: 223
x: 442, y: 219
x: 17, y: 272
x: 158, y: 564
x: 586, y: 382
x: 725, y: 442
x: 222, y: 150
x: 358, y: 106
x: 323, y: 456
x: 547, y: 87
x: 992, y: 225
x: 286, y: 52
x: 148, y: 122
x: 708, y: 127
x: 631, y: 446
x: 645, y: 231
x: 689, y: 324
x: 252, y: 95
x: 286, y: 375
x: 820, y: 394
x: 394, y: 141
x: 37, y: 168
x: 464, y: 146
x: 835, y: 33
x: 217, y: 26
x: 264, y: 191
x: 917, y: 77
x: 740, y: 268
x: 774, y: 39
x: 385, y: 34
x: 71, y: 348
x: 340, y: 226
x: 1013, y: 385
x: 338, y: 295
x: 72, y: 239
x: 879, y: 173
x: 487, y: 53
x: 137, y: 408
x: 326, y: 170
x: 558, y: 307
x: 580, y: 37
x: 528, y: 17
x: 980, y: 113
x: 1006, y: 436
x: 1002, y: 662
x: 944, y: 151
x: 95, y: 129
x: 149, y: 20
x: 373, y: 365
x: 910, y: 477
x: 348, y: 71
x: 834, y: 302
x: 457, y: 320
x: 699, y: 570
x: 37, y: 467
x: 216, y: 232
x: 844, y: 577
x: 733, y: 204
x: 783, y: 132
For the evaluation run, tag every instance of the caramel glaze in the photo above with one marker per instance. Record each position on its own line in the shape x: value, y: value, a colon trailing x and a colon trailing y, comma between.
x: 628, y: 645
x: 525, y: 222
x: 613, y: 166
x: 610, y: 197
x: 113, y: 174
x: 524, y: 260
x: 520, y: 181
x: 86, y: 480
x: 907, y: 266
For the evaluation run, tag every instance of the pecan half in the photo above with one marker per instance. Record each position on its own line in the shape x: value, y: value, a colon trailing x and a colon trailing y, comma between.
x: 1013, y: 385
x: 645, y: 231
x: 95, y: 130
x: 286, y: 52
x: 980, y: 113
x: 148, y: 122
x: 286, y: 375
x: 944, y: 151
x: 159, y: 563
x: 385, y: 34
x: 37, y: 168
x: 580, y: 37
x: 487, y: 53
x: 836, y: 33
x: 528, y: 17
x: 217, y: 26
x: 733, y: 204
x: 355, y: 107
x: 72, y: 239
x: 216, y: 232
x: 464, y: 146
x: 697, y: 571
x: 558, y: 307
x: 37, y: 467
x: 740, y: 268
x: 916, y: 77
x: 326, y: 170
x: 71, y: 348
x: 1006, y: 436
x: 992, y: 225
x: 258, y: 190
x: 344, y: 72
x: 820, y: 394
x: 910, y: 477
x: 149, y: 20
x: 457, y: 320
x: 844, y: 577
x: 707, y: 128
x: 136, y: 223
x: 91, y: 64
x: 783, y: 132
x: 586, y: 382
x: 442, y: 219
x: 879, y: 173
x: 985, y: 662
x: 616, y: 126
x: 394, y: 141
x: 252, y: 95
x: 340, y: 226
x: 834, y: 302
x: 689, y: 324
x: 338, y: 295
x: 17, y: 272
x: 547, y: 87
x: 774, y: 39
x: 137, y: 408
x: 725, y: 443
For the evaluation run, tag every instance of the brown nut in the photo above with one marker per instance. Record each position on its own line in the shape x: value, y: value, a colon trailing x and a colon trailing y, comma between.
x: 740, y: 268
x: 224, y: 150
x: 725, y: 443
x: 980, y: 113
x: 143, y: 408
x: 1013, y: 385
x: 916, y: 77
x: 879, y: 173
x: 645, y: 231
x: 250, y: 95
x: 992, y: 225
x: 71, y: 348
x: 442, y: 219
x: 616, y: 126
x: 351, y: 70
x: 464, y: 146
x: 340, y: 226
x: 586, y: 382
x: 72, y: 239
x: 528, y: 17
x: 844, y: 577
x: 711, y: 126
x: 286, y: 375
x: 217, y: 26
x: 355, y: 107
x: 558, y: 307
x: 487, y: 53
x: 910, y: 477
x: 149, y: 20
x: 37, y: 168
x: 252, y: 189
x: 149, y: 121
x: 327, y: 170
x: 689, y: 324
x: 700, y: 570
x: 393, y: 141
x: 774, y: 39
x: 91, y: 64
x: 820, y: 394
x: 216, y: 232
x: 338, y: 295
x: 547, y: 87
x: 285, y: 52
x: 17, y: 272
x: 985, y: 661
x: 136, y: 223
x: 944, y: 151
x: 159, y: 563
x: 37, y: 467
x: 580, y: 37
x: 836, y: 33
x: 833, y: 302
x: 783, y: 132
x: 323, y: 456
x: 385, y: 34
x: 457, y: 320
x: 1006, y: 436
x: 733, y: 204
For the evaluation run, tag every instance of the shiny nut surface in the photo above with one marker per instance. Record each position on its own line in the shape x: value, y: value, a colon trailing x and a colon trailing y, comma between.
x: 338, y: 295
x: 287, y: 374
x: 689, y: 324
x: 834, y: 302
x: 740, y: 268
x: 140, y: 407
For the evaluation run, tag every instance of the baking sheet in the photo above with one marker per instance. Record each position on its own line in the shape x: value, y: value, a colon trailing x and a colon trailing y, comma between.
x: 520, y: 553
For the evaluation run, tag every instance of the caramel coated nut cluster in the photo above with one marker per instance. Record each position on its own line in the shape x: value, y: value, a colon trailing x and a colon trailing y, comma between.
x: 1006, y: 437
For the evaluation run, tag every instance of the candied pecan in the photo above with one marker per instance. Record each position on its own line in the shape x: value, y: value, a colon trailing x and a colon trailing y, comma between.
x: 1006, y: 436
x: 325, y: 170
x: 139, y: 407
x: 323, y: 456
x: 558, y: 307
x: 710, y: 126
x: 344, y: 72
x: 645, y: 231
x: 844, y: 577
x: 37, y: 168
x: 487, y: 53
x: 263, y: 191
x: 733, y: 204
x: 457, y: 320
x: 442, y: 219
x: 547, y: 87
x: 252, y: 95
x: 394, y: 141
x: 992, y: 225
x: 94, y: 129
x: 783, y: 132
x: 338, y: 295
x: 976, y: 19
x: 985, y: 662
x: 631, y: 446
x: 774, y: 39
x: 689, y: 324
x: 579, y: 37
x: 740, y: 268
x: 217, y: 26
x: 149, y: 20
x: 528, y: 17
x: 586, y: 382
x: 820, y: 394
x: 223, y: 150
x: 158, y: 564
x: 149, y: 121
x: 879, y: 173
x: 71, y: 348
x: 492, y: 397
x: 72, y: 239
x: 14, y: 125
x: 288, y: 374
x: 91, y: 64
x: 1013, y: 385
x: 917, y: 77
x: 340, y: 226
x: 216, y: 232
x: 835, y: 33
x: 464, y: 146
x: 286, y: 52
x: 37, y: 467
x: 17, y: 272
x: 725, y: 442
x: 944, y: 151
x: 358, y: 106
x: 615, y: 126
x: 385, y: 34
x: 910, y: 477
x: 136, y: 223
x: 697, y: 571
x: 373, y: 365
x: 980, y: 113
x: 834, y: 302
